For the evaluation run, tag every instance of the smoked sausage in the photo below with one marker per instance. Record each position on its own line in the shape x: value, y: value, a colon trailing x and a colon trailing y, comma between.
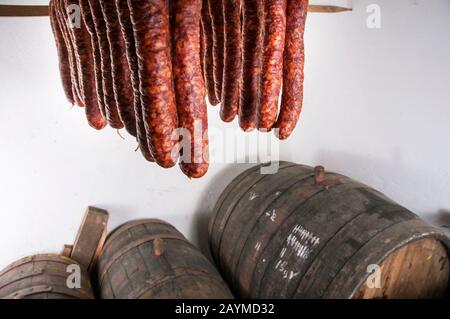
x: 208, y: 60
x: 272, y: 71
x: 89, y: 22
x: 112, y: 112
x: 63, y: 55
x: 252, y: 41
x: 190, y: 88
x: 60, y: 9
x: 83, y: 53
x: 120, y: 69
x: 130, y: 46
x: 151, y: 28
x: 232, y: 59
x: 216, y: 11
x: 294, y: 60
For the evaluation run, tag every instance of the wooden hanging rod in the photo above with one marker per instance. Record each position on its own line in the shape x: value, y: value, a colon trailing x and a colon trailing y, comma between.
x: 327, y: 9
x: 23, y: 11
x: 42, y: 11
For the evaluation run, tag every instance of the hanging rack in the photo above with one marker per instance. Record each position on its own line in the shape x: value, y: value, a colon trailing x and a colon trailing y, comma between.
x: 42, y: 10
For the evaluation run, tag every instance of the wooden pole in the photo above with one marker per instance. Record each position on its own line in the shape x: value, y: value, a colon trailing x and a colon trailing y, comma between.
x: 327, y: 9
x: 42, y: 11
x: 23, y: 11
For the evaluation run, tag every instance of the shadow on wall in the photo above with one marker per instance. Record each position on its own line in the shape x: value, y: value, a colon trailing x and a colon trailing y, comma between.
x: 394, y: 178
x: 405, y: 185
x: 208, y: 199
x: 441, y: 219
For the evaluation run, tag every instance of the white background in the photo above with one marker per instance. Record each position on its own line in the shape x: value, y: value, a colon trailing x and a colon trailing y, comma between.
x: 376, y: 109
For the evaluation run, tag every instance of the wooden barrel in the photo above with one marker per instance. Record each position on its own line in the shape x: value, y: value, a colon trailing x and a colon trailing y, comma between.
x: 43, y: 277
x: 148, y: 259
x: 304, y: 233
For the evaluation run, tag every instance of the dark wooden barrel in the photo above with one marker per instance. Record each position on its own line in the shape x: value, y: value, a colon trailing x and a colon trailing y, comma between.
x: 42, y: 277
x: 148, y: 259
x: 304, y: 233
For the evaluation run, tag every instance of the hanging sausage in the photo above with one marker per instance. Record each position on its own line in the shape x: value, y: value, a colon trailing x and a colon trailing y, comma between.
x: 147, y: 66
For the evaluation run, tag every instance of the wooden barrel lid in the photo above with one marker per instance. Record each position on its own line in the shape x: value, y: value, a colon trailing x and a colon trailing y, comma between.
x: 417, y: 270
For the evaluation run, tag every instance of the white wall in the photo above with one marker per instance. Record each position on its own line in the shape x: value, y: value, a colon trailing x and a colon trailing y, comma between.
x: 376, y: 109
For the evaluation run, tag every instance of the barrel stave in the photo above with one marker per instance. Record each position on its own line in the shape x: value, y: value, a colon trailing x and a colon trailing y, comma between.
x: 233, y: 236
x: 224, y: 208
x: 254, y: 257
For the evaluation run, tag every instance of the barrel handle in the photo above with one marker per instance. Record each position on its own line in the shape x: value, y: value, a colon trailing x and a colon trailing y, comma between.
x: 67, y: 251
x: 158, y: 247
x: 319, y: 175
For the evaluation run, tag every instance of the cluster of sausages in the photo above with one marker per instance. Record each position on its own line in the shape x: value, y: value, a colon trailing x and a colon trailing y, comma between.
x: 147, y: 66
x: 253, y: 49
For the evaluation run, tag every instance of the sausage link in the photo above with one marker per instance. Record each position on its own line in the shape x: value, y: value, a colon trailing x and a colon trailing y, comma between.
x: 294, y: 61
x: 232, y: 59
x: 150, y: 20
x: 253, y: 36
x: 83, y: 52
x: 216, y: 11
x: 208, y: 60
x: 63, y: 55
x: 77, y: 62
x: 272, y: 76
x: 190, y: 88
x: 130, y: 46
x: 121, y: 80
x: 89, y: 22
x: 60, y: 9
x: 112, y: 113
